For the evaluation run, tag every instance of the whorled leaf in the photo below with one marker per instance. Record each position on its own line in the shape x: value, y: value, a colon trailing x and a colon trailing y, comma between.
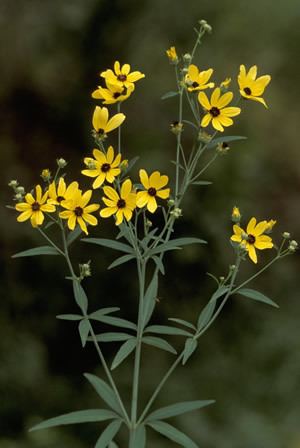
x: 41, y: 250
x: 173, y: 434
x: 108, y: 434
x: 122, y: 247
x: 104, y: 391
x: 178, y: 409
x: 256, y: 295
x: 123, y: 352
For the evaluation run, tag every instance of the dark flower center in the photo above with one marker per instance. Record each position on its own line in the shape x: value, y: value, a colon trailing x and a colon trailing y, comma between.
x: 247, y: 90
x: 152, y: 191
x: 195, y: 84
x: 122, y: 77
x: 78, y: 211
x: 101, y: 131
x: 214, y: 111
x: 35, y: 207
x: 105, y: 167
x: 251, y: 239
x: 60, y: 198
x: 116, y: 95
x: 225, y: 145
x: 121, y: 203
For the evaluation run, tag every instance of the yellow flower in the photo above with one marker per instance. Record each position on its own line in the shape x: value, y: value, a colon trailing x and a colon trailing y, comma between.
x: 78, y: 211
x: 254, y: 238
x: 172, y: 55
x: 121, y: 205
x: 33, y: 208
x: 121, y: 76
x: 251, y: 87
x: 217, y: 112
x: 196, y: 80
x: 113, y: 93
x: 103, y: 166
x: 154, y: 189
x: 101, y: 122
x: 61, y: 192
x: 235, y: 215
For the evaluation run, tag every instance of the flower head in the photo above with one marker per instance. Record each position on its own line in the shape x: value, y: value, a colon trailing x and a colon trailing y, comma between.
x: 251, y: 87
x: 121, y: 75
x: 102, y: 167
x: 113, y: 93
x: 154, y: 188
x: 236, y: 214
x: 120, y: 204
x: 226, y: 83
x: 253, y: 238
x: 61, y: 192
x: 101, y: 122
x: 217, y: 112
x: 34, y: 207
x: 78, y: 211
x: 197, y: 80
x: 172, y: 55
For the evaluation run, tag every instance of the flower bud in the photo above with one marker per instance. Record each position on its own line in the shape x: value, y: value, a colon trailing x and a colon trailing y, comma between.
x: 176, y: 127
x: 19, y: 197
x: 286, y: 235
x: 202, y: 22
x: 236, y: 215
x: 46, y: 175
x: 207, y: 28
x: 204, y: 137
x: 172, y: 55
x: 20, y: 190
x: 124, y: 165
x: 177, y: 212
x: 91, y: 165
x: 222, y: 148
x: 232, y: 267
x: 13, y: 183
x: 171, y: 202
x: 85, y: 270
x: 187, y: 57
x: 61, y: 163
x: 293, y: 246
x: 148, y: 223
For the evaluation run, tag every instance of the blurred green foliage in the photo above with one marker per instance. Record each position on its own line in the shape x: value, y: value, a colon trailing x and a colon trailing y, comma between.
x: 51, y: 53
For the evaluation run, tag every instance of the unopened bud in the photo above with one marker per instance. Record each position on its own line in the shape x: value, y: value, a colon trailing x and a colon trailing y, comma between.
x: 124, y: 165
x: 171, y: 202
x: 85, y: 269
x: 202, y: 22
x: 91, y: 165
x: 176, y: 127
x: 204, y: 137
x: 187, y: 57
x: 293, y: 246
x: 236, y: 215
x: 286, y: 235
x: 222, y: 148
x: 232, y: 267
x: 177, y: 212
x: 20, y: 190
x: 221, y: 278
x: 172, y: 55
x: 19, y: 197
x: 148, y: 223
x: 207, y: 28
x: 13, y: 183
x: 61, y: 163
x: 46, y: 175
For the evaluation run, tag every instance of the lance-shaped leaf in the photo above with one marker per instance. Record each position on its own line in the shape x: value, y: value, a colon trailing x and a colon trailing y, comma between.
x: 69, y: 316
x: 159, y: 264
x: 209, y: 308
x: 149, y: 299
x: 117, y: 322
x: 202, y: 182
x: 84, y: 328
x: 182, y: 322
x: 173, y: 434
x: 256, y: 295
x: 110, y: 243
x: 105, y: 392
x: 112, y: 337
x: 123, y: 352
x: 112, y: 445
x: 189, y: 348
x: 41, y: 250
x: 225, y: 139
x: 72, y: 236
x: 80, y: 296
x: 159, y: 343
x: 170, y: 94
x: 178, y: 409
x: 174, y: 244
x: 88, y: 415
x: 102, y: 312
x: 108, y: 434
x: 139, y: 438
x: 121, y: 260
x: 166, y: 329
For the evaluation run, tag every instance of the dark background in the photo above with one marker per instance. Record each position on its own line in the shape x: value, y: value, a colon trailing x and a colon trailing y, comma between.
x: 51, y: 53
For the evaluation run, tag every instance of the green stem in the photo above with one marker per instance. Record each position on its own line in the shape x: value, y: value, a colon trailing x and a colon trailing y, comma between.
x: 50, y: 241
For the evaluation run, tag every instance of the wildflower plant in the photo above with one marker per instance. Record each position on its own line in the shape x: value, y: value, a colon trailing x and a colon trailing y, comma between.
x: 130, y: 200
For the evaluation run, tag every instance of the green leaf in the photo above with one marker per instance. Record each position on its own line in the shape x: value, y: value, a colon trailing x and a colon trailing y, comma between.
x: 72, y: 236
x: 124, y: 233
x: 121, y: 260
x: 189, y: 348
x: 225, y: 139
x: 80, y: 296
x: 123, y: 352
x: 88, y: 415
x: 166, y: 329
x: 159, y: 343
x: 69, y: 316
x: 169, y: 95
x: 102, y: 311
x: 202, y: 182
x: 173, y: 434
x: 149, y: 299
x: 84, y: 329
x: 182, y: 322
x: 174, y: 244
x: 110, y: 243
x: 159, y: 264
x: 256, y: 295
x: 41, y: 250
x: 108, y: 434
x: 209, y: 308
x: 139, y: 438
x: 104, y: 391
x: 116, y: 321
x: 112, y: 337
x: 112, y: 445
x: 178, y: 409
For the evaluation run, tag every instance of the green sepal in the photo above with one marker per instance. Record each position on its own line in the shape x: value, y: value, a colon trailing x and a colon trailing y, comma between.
x: 123, y: 352
x: 105, y: 392
x: 189, y: 348
x: 166, y: 329
x: 173, y: 434
x: 108, y: 434
x: 110, y: 243
x: 178, y: 409
x: 41, y: 250
x: 256, y: 295
x: 84, y: 328
x: 87, y: 415
x: 159, y: 343
x: 121, y: 260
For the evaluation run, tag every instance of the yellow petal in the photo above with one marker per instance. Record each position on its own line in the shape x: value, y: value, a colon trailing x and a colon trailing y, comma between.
x: 82, y: 224
x: 111, y: 193
x: 91, y: 208
x: 217, y: 125
x: 252, y: 72
x: 115, y: 122
x: 252, y: 253
x: 99, y: 181
x: 119, y: 216
x: 126, y: 188
x: 231, y: 111
x: 205, y: 120
x: 110, y: 155
x: 144, y: 178
x: 225, y: 99
x: 142, y: 198
x: 108, y: 211
x: 203, y: 100
x: 163, y: 194
x: 24, y: 216
x: 72, y: 221
x: 85, y: 198
x: 152, y: 204
x: 99, y: 156
x: 225, y: 121
x: 215, y: 97
x: 92, y: 220
x: 23, y: 206
x: 251, y: 226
